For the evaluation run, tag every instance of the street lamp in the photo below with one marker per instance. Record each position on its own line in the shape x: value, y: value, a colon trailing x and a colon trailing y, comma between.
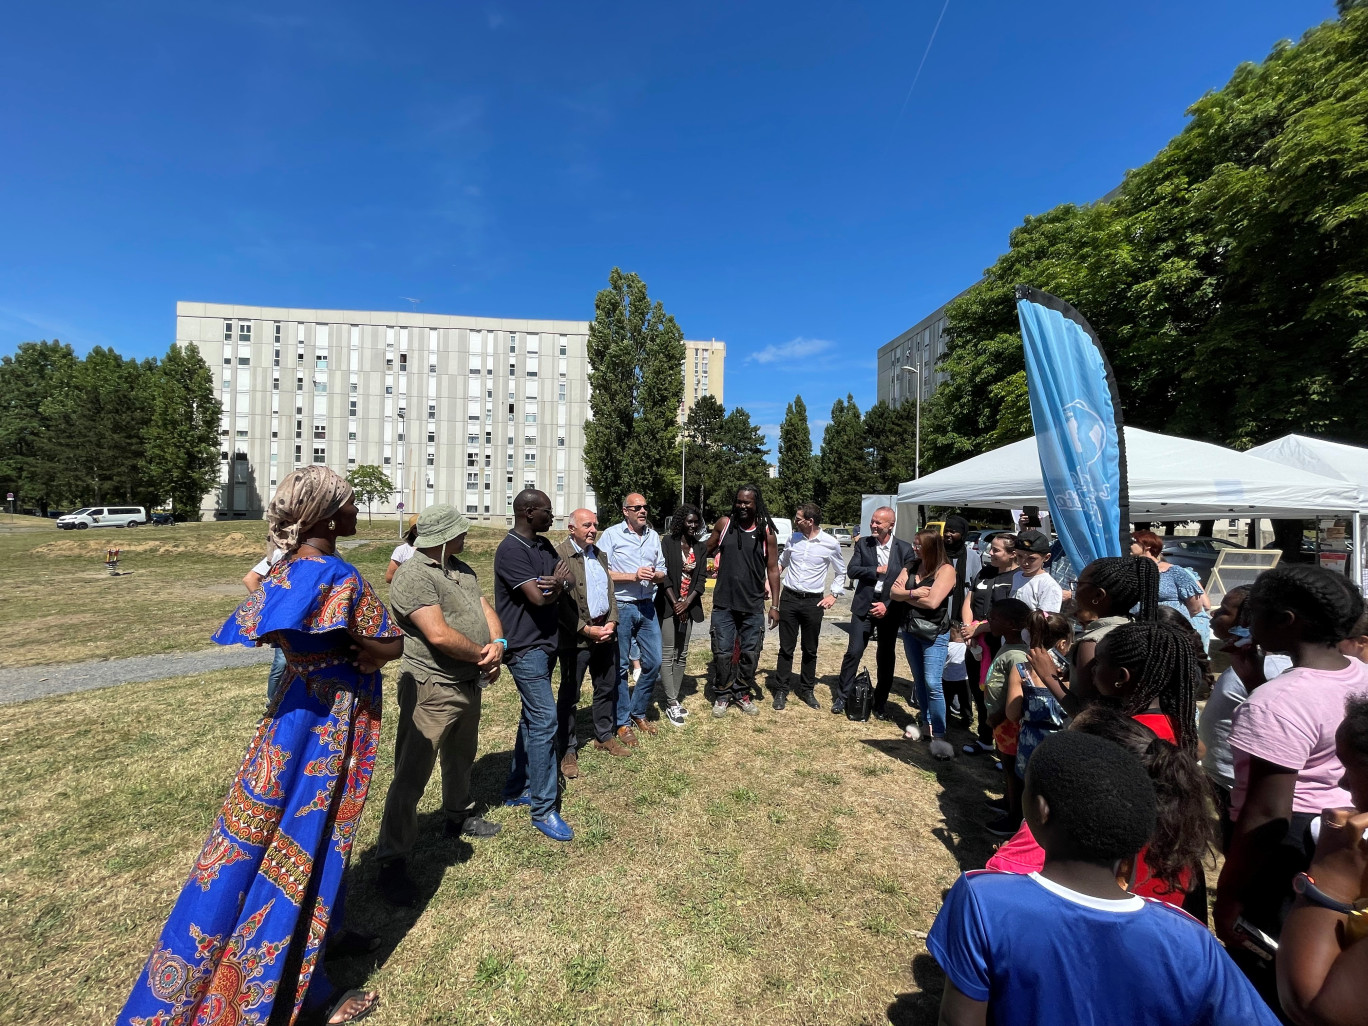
x: 917, y: 373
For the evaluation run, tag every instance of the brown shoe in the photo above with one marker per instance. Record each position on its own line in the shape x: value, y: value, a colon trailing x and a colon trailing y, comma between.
x: 570, y: 765
x: 646, y: 725
x: 613, y: 747
x: 626, y: 736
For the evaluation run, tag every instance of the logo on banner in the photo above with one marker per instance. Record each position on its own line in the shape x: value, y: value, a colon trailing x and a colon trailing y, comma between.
x: 1088, y: 438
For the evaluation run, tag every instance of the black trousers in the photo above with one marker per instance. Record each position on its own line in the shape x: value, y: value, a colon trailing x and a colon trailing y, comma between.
x: 885, y: 635
x: 969, y: 691
x: 798, y: 612
x: 601, y: 663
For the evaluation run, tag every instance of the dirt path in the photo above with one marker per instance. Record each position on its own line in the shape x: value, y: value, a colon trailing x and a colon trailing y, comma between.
x: 28, y: 682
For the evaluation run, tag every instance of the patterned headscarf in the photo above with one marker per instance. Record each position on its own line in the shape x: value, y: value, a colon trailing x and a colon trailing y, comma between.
x: 305, y: 497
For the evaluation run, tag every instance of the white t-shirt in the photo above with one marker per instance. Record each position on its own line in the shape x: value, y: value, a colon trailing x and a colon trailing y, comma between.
x: 1039, y: 592
x: 264, y: 567
x: 402, y: 554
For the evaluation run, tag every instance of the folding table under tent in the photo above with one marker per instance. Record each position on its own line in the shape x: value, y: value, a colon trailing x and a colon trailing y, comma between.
x: 1169, y: 479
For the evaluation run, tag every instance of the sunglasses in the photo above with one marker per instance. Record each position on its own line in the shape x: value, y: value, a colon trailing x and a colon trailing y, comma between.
x: 636, y: 508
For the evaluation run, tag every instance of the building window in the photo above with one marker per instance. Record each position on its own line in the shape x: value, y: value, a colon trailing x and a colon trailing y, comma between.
x: 432, y: 436
x: 389, y: 390
x: 432, y: 368
x: 562, y: 345
x: 512, y: 342
x: 227, y: 331
x: 560, y: 482
x: 351, y: 408
x: 385, y: 461
x: 352, y: 389
x: 489, y: 438
x: 320, y: 455
x: 530, y: 418
x: 560, y: 392
x: 472, y: 439
x: 529, y: 458
x: 560, y: 441
x: 472, y: 459
x: 389, y: 363
x: 351, y: 436
x: 227, y: 361
x: 299, y: 383
x: 241, y: 433
x: 432, y: 411
x: 473, y: 480
x: 529, y: 440
x: 320, y: 388
x: 403, y: 363
x: 244, y: 361
x: 244, y: 331
x: 432, y: 459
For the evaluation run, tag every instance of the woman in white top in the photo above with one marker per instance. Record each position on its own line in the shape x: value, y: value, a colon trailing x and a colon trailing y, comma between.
x: 404, y: 552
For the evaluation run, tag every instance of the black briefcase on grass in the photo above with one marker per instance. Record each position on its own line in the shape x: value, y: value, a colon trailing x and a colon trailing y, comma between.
x: 861, y: 697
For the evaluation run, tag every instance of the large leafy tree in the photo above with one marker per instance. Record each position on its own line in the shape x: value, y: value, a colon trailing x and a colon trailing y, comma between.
x: 796, y: 470
x: 182, y: 435
x: 844, y: 463
x: 890, y: 434
x: 635, y: 352
x: 740, y: 460
x: 370, y: 485
x: 1228, y: 277
x: 703, y: 432
x: 30, y: 459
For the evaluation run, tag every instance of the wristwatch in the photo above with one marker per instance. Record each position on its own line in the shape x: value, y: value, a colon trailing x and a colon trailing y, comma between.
x: 1304, y: 885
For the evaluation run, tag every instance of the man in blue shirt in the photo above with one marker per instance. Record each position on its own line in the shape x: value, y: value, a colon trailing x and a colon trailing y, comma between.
x: 637, y: 566
x: 1069, y: 945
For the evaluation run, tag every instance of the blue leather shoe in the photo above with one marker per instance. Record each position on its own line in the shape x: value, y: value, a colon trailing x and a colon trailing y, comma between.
x: 522, y: 799
x: 554, y: 827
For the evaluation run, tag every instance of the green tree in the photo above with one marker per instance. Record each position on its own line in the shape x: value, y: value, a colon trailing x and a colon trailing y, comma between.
x: 890, y: 436
x: 371, y: 485
x: 182, y: 436
x: 844, y: 463
x: 703, y: 438
x: 740, y: 460
x: 796, y: 483
x: 636, y: 352
x: 27, y: 453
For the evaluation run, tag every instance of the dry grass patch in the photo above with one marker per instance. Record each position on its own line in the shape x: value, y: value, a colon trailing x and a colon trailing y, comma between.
x: 780, y: 869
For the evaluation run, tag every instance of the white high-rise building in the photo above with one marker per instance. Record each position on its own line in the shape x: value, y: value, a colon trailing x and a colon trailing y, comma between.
x: 461, y: 410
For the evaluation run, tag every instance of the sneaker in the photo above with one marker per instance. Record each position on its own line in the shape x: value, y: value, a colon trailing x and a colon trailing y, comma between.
x: 675, y: 714
x: 809, y: 699
x: 976, y: 748
x: 747, y: 706
x: 912, y: 732
x: 780, y: 700
x: 1002, y: 827
x: 942, y: 749
x: 720, y: 707
x: 997, y: 805
x: 683, y: 711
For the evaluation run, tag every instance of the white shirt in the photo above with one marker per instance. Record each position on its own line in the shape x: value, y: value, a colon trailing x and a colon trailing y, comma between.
x: 264, y: 567
x: 628, y: 551
x: 1039, y: 592
x: 402, y: 554
x: 595, y: 580
x: 882, y: 552
x: 805, y: 562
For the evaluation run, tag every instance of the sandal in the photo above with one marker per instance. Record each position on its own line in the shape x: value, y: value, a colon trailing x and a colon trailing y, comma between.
x: 371, y: 999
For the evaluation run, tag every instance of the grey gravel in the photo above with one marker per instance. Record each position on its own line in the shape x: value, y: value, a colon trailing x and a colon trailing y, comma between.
x: 28, y: 682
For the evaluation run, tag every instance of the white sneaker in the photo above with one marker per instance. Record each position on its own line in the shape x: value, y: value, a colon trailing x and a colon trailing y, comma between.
x: 675, y: 714
x: 912, y: 732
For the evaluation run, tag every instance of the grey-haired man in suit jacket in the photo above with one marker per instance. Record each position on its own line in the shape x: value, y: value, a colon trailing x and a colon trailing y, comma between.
x: 874, y: 565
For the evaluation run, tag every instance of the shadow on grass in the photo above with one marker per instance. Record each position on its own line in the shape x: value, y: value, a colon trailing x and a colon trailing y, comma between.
x: 966, y: 782
x: 923, y: 1007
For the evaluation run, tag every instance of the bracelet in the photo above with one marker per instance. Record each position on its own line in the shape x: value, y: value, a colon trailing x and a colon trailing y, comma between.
x: 500, y: 641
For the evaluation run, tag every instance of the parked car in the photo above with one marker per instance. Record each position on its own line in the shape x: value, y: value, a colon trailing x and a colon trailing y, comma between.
x: 841, y: 535
x: 1196, y: 552
x: 163, y: 520
x: 103, y: 516
x: 783, y: 531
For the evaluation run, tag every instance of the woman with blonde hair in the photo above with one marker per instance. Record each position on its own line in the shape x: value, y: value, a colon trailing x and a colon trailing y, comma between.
x: 246, y: 937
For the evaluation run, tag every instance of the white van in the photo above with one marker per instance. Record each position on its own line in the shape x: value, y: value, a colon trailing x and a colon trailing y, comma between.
x: 103, y: 516
x: 783, y: 531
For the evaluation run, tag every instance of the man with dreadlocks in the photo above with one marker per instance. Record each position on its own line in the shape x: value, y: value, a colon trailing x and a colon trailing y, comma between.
x: 748, y: 564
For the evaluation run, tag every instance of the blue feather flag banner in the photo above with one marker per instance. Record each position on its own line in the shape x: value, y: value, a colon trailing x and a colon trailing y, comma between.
x: 1076, y: 412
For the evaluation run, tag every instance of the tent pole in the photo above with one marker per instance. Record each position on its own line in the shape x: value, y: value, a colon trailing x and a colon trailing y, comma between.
x: 1356, y: 562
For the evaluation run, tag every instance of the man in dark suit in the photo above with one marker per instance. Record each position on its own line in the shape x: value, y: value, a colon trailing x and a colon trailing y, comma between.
x: 874, y: 565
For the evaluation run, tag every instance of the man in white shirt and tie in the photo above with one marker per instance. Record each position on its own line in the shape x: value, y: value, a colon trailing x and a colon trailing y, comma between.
x: 810, y: 556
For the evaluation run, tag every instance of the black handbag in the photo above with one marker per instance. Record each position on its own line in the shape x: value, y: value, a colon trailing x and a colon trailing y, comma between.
x: 924, y: 625
x: 861, y: 699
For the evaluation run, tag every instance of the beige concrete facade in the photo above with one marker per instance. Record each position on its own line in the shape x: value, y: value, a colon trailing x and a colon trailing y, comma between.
x: 704, y: 372
x: 461, y: 410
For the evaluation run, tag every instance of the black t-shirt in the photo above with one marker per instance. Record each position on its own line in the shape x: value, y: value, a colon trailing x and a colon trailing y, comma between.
x: 988, y: 586
x: 517, y: 561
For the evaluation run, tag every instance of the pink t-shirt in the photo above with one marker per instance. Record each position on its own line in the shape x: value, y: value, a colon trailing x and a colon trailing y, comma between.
x: 1291, y: 721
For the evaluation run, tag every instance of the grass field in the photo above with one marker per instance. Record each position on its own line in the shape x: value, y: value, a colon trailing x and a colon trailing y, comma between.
x: 781, y: 869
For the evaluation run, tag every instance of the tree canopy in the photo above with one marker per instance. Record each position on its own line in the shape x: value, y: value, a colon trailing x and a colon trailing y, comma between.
x: 797, y: 470
x: 1228, y: 277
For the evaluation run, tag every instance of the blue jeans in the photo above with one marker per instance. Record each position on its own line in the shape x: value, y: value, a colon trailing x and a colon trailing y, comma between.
x: 927, y: 661
x: 637, y: 623
x: 277, y: 672
x: 727, y: 625
x: 534, y: 756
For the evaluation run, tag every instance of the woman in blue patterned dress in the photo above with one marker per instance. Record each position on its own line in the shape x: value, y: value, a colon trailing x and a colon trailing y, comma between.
x: 244, y: 942
x: 1179, y: 587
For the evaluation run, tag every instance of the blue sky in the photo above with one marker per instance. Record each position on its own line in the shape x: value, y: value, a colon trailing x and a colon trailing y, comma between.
x: 768, y: 168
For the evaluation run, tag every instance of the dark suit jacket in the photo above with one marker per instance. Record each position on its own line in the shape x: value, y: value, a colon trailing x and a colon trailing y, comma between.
x: 863, y: 569
x: 574, y: 602
x: 674, y: 573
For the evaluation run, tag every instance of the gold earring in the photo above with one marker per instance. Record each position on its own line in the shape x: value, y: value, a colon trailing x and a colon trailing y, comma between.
x: 332, y: 525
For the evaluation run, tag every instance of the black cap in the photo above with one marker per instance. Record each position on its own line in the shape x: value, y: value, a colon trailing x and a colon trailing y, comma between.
x: 1034, y: 541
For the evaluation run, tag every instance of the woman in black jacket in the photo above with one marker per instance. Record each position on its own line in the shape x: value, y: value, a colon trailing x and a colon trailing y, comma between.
x: 679, y: 602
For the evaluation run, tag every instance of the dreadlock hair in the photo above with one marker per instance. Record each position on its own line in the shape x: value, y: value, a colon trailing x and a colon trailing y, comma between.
x: 762, y: 516
x: 1176, y: 619
x: 1129, y: 581
x: 1325, y: 604
x: 1163, y: 666
x: 1183, y: 833
x: 681, y: 514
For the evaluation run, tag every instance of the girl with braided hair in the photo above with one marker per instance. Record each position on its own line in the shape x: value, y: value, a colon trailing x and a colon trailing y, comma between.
x: 1106, y: 592
x: 1152, y: 671
x: 1283, y: 738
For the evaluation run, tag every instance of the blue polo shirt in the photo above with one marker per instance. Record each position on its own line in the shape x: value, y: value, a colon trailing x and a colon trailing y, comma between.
x: 526, y: 626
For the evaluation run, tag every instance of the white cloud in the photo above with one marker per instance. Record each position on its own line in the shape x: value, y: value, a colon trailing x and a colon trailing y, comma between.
x: 799, y: 349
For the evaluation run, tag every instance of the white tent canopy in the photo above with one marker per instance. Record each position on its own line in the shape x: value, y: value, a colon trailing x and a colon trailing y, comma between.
x: 1320, y: 456
x: 1170, y: 479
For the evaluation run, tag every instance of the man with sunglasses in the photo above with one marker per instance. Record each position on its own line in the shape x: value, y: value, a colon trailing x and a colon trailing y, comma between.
x: 636, y: 564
